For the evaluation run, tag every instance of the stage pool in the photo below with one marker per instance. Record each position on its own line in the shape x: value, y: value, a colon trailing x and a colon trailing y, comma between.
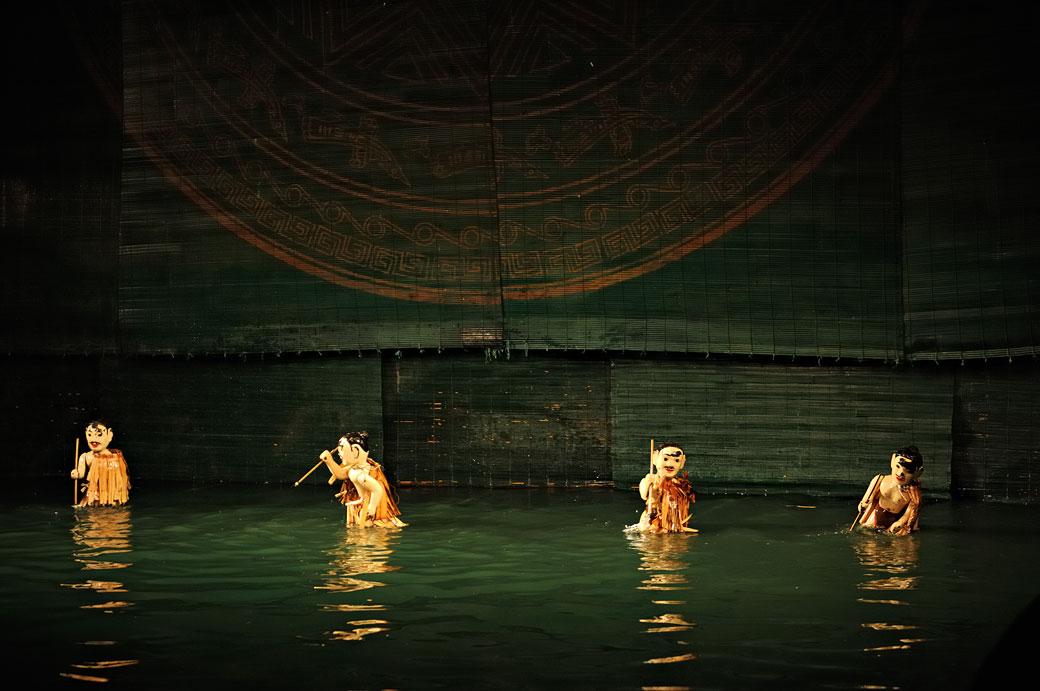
x: 193, y: 588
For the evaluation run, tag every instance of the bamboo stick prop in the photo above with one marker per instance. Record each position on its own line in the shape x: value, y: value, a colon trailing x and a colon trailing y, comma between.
x: 307, y: 474
x: 75, y: 480
x: 875, y: 485
x: 650, y: 487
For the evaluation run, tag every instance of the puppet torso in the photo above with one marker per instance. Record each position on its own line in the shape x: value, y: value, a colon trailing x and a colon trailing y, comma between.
x: 107, y: 481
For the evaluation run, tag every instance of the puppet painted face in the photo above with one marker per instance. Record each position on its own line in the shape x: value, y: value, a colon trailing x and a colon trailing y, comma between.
x: 905, y: 470
x: 669, y: 461
x: 98, y: 436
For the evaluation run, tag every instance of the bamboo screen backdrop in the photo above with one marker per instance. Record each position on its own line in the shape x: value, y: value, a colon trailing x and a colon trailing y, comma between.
x: 543, y: 175
x: 434, y: 186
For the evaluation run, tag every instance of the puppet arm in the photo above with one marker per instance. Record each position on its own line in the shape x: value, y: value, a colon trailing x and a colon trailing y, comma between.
x: 645, y: 486
x: 80, y: 471
x: 338, y: 471
x: 368, y: 487
x: 873, y: 488
x: 908, y: 521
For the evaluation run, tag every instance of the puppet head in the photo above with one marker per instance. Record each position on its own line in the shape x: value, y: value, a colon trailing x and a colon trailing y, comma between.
x: 99, y: 436
x: 669, y: 459
x: 353, y: 448
x: 907, y: 465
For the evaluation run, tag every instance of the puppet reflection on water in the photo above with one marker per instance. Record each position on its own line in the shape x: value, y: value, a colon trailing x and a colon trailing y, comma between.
x: 667, y: 496
x: 102, y: 538
x: 360, y: 554
x: 104, y: 468
x: 662, y: 559
x: 893, y: 502
x: 365, y: 491
x: 889, y: 572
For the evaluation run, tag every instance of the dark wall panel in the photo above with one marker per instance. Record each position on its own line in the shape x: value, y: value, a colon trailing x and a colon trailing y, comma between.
x: 59, y: 186
x: 997, y: 433
x: 464, y: 420
x: 969, y: 185
x: 815, y: 274
x: 730, y: 186
x: 47, y: 405
x: 701, y: 177
x: 776, y: 427
x: 230, y: 419
x: 288, y: 178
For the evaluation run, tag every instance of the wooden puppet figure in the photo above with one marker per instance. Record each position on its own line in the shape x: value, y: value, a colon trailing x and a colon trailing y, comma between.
x: 104, y: 468
x: 365, y: 491
x: 893, y: 502
x: 667, y: 496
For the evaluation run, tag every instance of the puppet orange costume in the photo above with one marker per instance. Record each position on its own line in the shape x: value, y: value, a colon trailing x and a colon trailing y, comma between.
x: 893, y: 502
x: 386, y: 512
x: 667, y: 496
x: 366, y: 493
x: 107, y: 481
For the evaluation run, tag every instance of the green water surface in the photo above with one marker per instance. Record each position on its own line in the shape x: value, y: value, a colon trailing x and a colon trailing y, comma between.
x: 504, y: 589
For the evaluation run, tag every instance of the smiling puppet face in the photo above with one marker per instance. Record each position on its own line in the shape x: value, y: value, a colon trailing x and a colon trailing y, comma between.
x: 669, y: 460
x: 906, y: 470
x: 99, y: 436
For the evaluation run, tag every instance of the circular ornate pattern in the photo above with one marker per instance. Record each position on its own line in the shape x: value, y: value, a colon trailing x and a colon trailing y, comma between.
x: 471, y: 152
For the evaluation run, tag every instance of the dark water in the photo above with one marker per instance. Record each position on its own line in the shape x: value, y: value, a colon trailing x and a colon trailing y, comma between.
x: 504, y: 589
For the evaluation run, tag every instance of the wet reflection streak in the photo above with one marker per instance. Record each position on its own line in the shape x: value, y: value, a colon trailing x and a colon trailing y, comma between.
x: 99, y: 534
x: 889, y: 565
x: 661, y: 558
x: 361, y: 553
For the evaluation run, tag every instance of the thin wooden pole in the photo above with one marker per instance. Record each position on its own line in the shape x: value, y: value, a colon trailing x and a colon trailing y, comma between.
x: 649, y: 489
x: 75, y: 481
x: 307, y: 474
x: 870, y: 498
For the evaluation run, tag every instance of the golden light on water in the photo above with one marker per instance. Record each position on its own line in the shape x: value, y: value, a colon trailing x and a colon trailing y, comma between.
x: 893, y: 583
x: 667, y: 629
x: 356, y: 634
x: 360, y: 554
x: 106, y: 664
x: 670, y: 660
x: 882, y: 626
x: 670, y: 623
x: 352, y: 608
x: 346, y: 584
x: 105, y: 565
x: 83, y: 677
x: 665, y: 581
x: 108, y: 605
x: 673, y: 619
x: 99, y: 586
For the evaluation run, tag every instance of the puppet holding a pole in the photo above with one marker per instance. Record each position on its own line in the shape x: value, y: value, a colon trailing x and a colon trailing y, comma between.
x: 105, y: 469
x: 365, y: 491
x: 667, y: 496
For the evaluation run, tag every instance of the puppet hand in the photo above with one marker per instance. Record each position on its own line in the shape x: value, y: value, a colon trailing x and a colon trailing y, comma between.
x: 899, y: 529
x: 75, y: 474
x: 325, y: 456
